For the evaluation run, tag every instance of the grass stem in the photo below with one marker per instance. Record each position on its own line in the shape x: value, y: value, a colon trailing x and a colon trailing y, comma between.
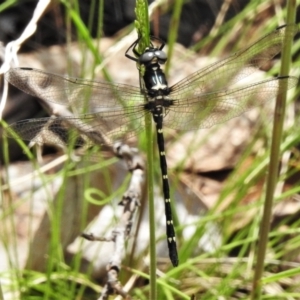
x: 272, y: 175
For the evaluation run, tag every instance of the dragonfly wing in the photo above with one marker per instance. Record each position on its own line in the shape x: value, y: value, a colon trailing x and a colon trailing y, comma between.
x: 82, y: 95
x: 209, y: 109
x: 101, y: 107
x: 89, y: 129
x: 236, y: 67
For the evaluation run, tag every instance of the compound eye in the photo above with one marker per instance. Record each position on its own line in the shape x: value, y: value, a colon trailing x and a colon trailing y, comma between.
x: 161, y: 55
x: 146, y: 57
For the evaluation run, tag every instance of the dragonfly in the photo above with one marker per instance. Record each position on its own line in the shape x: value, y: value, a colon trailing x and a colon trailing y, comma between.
x: 106, y: 112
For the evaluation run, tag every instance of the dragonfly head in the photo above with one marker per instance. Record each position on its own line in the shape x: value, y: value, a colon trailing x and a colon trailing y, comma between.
x: 152, y: 56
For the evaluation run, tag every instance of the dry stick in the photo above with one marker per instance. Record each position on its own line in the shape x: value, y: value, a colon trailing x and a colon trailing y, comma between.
x: 130, y: 201
x: 221, y: 16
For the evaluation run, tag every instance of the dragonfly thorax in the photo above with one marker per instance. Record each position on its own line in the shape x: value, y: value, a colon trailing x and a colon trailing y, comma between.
x: 155, y: 81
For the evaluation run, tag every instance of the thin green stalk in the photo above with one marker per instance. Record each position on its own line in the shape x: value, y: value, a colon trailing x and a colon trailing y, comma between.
x: 174, y: 24
x: 1, y: 294
x: 142, y: 26
x: 150, y: 190
x: 274, y: 161
x: 84, y: 33
x: 7, y: 4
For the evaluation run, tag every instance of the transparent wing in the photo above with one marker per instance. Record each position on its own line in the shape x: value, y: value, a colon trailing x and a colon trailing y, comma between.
x: 80, y: 94
x: 209, y: 109
x: 210, y: 95
x: 84, y: 130
x: 220, y: 75
x: 102, y: 108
